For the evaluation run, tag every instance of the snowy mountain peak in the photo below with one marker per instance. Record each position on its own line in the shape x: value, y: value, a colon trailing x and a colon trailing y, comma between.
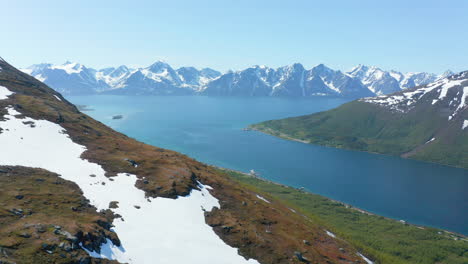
x: 322, y: 69
x: 119, y: 71
x: 107, y: 70
x: 36, y: 69
x: 297, y: 66
x: 386, y: 82
x: 445, y: 74
x: 291, y: 67
x: 261, y: 67
x: 413, y: 79
x: 194, y: 78
x: 210, y: 73
x: 358, y: 70
x: 449, y: 94
x: 363, y: 71
x: 69, y: 67
x: 159, y: 66
x: 122, y: 68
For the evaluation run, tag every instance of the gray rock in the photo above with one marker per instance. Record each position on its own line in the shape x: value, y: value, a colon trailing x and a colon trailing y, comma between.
x: 66, y: 234
x: 40, y: 228
x: 300, y: 257
x: 25, y: 235
x: 18, y: 212
x: 114, y: 204
x: 132, y: 162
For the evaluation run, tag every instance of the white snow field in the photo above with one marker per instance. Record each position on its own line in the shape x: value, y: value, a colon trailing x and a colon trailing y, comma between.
x: 4, y: 93
x: 151, y: 230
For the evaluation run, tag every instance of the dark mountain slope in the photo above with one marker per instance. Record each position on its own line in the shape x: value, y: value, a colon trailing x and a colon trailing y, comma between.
x: 427, y: 123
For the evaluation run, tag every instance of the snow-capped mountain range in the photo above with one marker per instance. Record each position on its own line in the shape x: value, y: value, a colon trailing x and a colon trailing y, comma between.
x: 158, y: 78
x: 448, y: 94
x: 292, y: 80
x: 385, y: 82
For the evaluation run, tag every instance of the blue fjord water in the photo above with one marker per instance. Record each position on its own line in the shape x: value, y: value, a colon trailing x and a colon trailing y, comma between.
x: 209, y: 129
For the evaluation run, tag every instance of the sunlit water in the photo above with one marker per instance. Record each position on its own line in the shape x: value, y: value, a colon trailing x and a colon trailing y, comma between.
x: 209, y: 129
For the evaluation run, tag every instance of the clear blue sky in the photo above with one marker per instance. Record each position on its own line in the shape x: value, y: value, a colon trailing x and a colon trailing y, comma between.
x: 411, y: 35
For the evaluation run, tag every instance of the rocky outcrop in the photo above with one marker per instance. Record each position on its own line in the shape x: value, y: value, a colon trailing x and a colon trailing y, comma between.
x: 28, y: 233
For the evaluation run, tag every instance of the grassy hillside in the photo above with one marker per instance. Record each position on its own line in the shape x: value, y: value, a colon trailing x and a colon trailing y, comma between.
x: 381, y: 239
x: 368, y: 127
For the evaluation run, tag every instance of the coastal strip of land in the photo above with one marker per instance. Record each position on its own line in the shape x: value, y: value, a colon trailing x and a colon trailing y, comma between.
x: 381, y: 239
x: 269, y: 131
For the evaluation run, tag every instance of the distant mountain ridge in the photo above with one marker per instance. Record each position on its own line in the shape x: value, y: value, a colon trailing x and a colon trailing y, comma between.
x: 291, y: 80
x: 385, y: 82
x: 427, y: 122
x: 161, y: 79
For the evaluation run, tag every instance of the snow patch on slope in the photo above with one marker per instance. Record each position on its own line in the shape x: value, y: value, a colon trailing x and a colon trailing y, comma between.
x: 405, y: 101
x: 4, y: 93
x: 331, y: 86
x: 463, y: 99
x: 429, y: 141
x: 262, y: 198
x: 40, y: 77
x: 465, y: 124
x: 330, y: 234
x: 365, y: 259
x: 447, y: 84
x: 171, y: 231
x: 112, y: 81
x: 109, y: 251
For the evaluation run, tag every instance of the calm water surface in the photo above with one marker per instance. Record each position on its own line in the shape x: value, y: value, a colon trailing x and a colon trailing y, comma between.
x: 209, y: 129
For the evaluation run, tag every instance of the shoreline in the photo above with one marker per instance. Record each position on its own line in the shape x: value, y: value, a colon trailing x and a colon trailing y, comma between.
x: 281, y: 135
x: 269, y: 131
x: 346, y: 205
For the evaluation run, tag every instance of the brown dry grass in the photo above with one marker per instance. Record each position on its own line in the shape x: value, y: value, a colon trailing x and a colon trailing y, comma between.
x: 46, y: 201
